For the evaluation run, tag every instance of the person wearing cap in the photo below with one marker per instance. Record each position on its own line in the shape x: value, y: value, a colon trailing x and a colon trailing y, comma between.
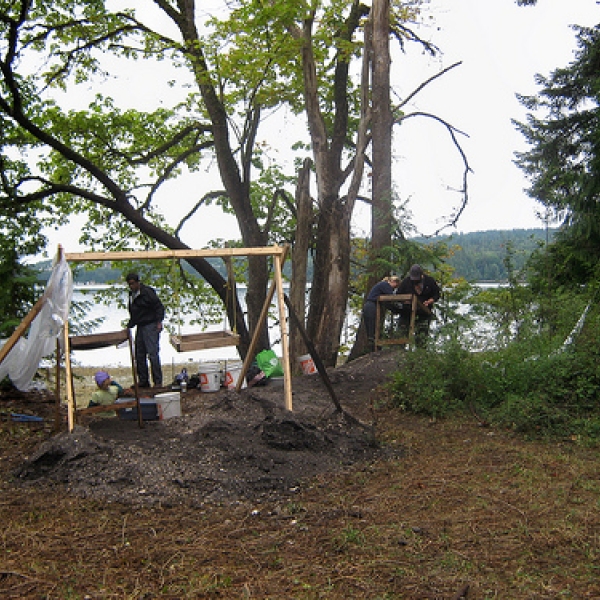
x: 107, y: 393
x: 146, y: 313
x: 428, y: 292
x: 385, y: 287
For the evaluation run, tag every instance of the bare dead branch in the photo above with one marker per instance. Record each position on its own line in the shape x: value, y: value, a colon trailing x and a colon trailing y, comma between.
x: 453, y: 131
x: 209, y: 196
x: 402, y: 33
x: 425, y: 83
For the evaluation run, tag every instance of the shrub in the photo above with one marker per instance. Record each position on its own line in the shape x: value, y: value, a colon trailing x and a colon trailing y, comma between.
x: 530, y: 386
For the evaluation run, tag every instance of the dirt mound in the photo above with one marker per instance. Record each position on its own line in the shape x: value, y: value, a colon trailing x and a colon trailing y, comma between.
x: 225, y: 447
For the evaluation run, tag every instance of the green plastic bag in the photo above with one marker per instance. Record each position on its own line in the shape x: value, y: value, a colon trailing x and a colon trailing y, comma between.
x: 269, y: 363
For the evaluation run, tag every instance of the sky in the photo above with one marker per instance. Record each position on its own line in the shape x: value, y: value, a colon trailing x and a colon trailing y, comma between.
x: 501, y: 47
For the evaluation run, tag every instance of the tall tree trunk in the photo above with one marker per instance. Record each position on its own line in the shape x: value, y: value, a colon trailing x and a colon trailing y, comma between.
x: 382, y: 216
x: 329, y: 291
x: 382, y: 219
x: 238, y: 188
x: 304, y: 224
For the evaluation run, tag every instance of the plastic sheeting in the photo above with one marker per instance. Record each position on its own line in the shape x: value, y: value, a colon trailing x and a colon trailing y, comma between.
x: 575, y: 331
x: 22, y: 362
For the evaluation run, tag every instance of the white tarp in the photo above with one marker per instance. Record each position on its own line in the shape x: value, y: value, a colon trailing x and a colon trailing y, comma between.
x: 22, y: 362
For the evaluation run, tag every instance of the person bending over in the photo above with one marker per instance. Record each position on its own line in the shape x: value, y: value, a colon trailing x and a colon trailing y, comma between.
x: 428, y: 292
x: 385, y: 287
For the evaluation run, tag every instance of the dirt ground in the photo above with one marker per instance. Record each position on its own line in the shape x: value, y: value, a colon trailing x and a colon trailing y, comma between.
x: 226, y: 446
x: 239, y: 498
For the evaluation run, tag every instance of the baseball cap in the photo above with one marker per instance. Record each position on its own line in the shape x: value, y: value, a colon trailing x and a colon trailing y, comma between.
x: 416, y: 272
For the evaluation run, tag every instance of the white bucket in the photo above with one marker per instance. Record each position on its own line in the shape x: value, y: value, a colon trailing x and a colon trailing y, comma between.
x: 210, y: 377
x: 168, y: 405
x: 232, y: 375
x: 307, y: 364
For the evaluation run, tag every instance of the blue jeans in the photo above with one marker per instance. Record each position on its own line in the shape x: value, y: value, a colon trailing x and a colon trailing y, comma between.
x: 147, y: 349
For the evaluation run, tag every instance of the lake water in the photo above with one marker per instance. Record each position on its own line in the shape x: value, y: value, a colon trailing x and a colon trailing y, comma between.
x: 115, y: 319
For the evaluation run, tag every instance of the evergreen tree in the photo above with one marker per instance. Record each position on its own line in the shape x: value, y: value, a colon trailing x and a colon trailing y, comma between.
x: 563, y: 162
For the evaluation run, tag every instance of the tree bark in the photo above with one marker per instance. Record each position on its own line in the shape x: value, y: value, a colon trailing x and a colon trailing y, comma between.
x: 329, y: 291
x: 382, y: 216
x: 238, y: 189
x: 382, y: 220
x: 304, y: 226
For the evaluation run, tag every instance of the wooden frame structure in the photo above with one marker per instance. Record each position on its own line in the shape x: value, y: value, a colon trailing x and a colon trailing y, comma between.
x: 202, y: 341
x: 93, y: 342
x: 415, y: 304
x: 211, y: 339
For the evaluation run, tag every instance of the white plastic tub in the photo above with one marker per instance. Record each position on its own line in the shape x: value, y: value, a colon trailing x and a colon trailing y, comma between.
x: 168, y: 405
x: 210, y: 377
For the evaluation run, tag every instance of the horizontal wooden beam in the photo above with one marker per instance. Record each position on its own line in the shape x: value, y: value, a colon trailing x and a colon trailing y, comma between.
x: 99, y: 408
x: 181, y: 254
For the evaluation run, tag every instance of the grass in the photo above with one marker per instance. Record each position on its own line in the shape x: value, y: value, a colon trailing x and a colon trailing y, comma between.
x: 468, y: 506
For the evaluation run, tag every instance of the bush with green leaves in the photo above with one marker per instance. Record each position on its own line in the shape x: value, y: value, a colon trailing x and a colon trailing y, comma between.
x: 536, y: 384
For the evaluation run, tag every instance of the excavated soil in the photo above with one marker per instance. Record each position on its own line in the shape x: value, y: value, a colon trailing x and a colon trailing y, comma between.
x: 226, y: 446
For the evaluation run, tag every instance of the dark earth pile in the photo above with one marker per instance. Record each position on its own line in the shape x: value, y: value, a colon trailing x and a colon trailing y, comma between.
x: 226, y: 446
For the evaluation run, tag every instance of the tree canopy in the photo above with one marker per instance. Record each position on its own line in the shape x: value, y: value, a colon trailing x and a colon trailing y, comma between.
x: 114, y: 164
x: 563, y: 161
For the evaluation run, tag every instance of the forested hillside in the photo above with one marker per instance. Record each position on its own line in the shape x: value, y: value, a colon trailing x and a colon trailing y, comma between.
x: 477, y: 256
x: 482, y: 255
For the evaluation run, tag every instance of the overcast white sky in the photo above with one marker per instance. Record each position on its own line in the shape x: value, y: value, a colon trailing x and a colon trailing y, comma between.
x: 501, y: 46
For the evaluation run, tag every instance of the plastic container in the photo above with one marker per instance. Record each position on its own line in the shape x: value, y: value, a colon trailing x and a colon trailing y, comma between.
x: 149, y: 410
x: 233, y: 371
x: 307, y: 364
x: 276, y: 382
x: 168, y: 405
x: 210, y: 377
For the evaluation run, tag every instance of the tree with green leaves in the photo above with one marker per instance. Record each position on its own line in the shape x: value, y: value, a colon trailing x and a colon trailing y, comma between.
x: 19, y: 237
x: 112, y: 164
x: 563, y: 159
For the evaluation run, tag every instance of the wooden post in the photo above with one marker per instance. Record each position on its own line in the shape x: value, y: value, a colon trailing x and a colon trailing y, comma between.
x: 57, y: 388
x: 413, y: 319
x: 69, y: 380
x: 135, y: 381
x: 287, y: 375
x: 23, y: 325
x: 254, y: 341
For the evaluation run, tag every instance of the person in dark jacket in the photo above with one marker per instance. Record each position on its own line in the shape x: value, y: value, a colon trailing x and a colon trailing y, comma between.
x: 385, y: 287
x: 428, y: 292
x: 146, y: 312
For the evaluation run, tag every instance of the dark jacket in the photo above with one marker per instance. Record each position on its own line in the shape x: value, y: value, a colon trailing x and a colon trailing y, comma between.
x: 145, y: 308
x: 383, y: 288
x: 430, y: 290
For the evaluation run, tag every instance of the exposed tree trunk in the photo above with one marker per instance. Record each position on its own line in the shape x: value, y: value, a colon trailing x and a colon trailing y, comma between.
x: 329, y: 291
x: 304, y: 224
x: 238, y: 187
x: 382, y: 217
